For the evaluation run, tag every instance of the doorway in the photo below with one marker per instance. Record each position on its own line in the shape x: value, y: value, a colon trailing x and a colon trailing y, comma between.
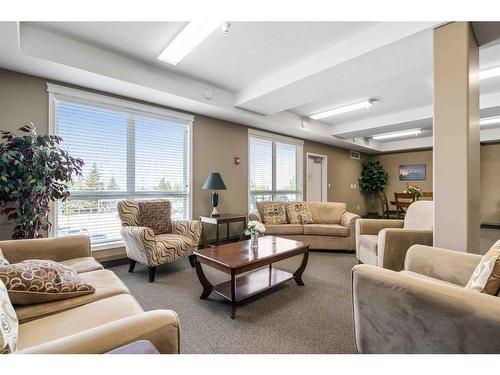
x: 316, y: 171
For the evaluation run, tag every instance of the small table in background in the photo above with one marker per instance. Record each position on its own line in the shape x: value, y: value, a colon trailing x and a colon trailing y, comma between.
x: 223, y: 219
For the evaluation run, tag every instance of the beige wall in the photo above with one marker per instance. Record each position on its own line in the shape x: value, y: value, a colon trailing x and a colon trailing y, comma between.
x: 391, y: 163
x: 342, y: 172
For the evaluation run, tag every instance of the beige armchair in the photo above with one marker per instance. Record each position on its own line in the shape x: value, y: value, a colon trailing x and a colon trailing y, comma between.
x: 144, y: 246
x: 384, y: 243
x: 425, y: 308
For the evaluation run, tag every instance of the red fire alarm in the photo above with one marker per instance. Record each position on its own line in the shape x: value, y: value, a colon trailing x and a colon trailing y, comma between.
x: 236, y: 160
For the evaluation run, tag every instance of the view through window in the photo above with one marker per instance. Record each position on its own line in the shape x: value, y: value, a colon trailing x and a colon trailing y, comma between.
x: 127, y: 155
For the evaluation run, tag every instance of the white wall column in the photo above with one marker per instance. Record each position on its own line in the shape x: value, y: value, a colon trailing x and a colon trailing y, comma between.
x: 456, y: 138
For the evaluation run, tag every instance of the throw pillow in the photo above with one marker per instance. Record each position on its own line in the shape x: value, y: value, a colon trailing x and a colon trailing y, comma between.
x: 156, y: 215
x: 274, y: 213
x: 486, y: 276
x: 299, y: 213
x: 3, y: 261
x: 39, y: 281
x: 8, y: 323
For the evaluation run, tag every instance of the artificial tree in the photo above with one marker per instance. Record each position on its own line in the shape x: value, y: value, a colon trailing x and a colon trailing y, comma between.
x: 34, y: 171
x: 373, y: 179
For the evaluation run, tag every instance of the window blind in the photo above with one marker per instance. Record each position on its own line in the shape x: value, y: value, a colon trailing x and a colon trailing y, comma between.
x: 274, y: 169
x: 128, y: 155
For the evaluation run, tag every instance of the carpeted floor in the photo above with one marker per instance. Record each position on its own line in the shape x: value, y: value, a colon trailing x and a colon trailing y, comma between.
x: 315, y: 318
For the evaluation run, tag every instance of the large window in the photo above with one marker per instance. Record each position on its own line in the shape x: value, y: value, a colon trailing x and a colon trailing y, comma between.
x: 130, y: 151
x: 275, y: 168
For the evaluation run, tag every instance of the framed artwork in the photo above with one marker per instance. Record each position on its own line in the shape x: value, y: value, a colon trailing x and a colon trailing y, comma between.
x: 411, y: 172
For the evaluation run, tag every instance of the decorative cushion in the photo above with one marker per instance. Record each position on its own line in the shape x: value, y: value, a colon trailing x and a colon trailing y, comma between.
x: 155, y: 214
x: 39, y: 281
x: 3, y: 261
x: 274, y: 213
x: 299, y: 213
x: 327, y: 212
x: 486, y: 276
x: 8, y: 323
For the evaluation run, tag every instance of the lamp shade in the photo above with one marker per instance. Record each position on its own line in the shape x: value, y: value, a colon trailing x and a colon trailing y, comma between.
x: 214, y: 182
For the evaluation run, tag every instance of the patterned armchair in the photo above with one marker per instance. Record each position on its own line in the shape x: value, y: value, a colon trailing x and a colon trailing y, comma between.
x: 152, y: 238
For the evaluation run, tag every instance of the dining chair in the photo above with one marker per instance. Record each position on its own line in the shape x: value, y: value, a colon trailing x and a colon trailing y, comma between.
x: 403, y: 201
x: 385, y: 206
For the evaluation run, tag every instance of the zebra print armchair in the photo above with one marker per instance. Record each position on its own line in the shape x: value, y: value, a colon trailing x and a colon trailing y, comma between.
x: 152, y: 238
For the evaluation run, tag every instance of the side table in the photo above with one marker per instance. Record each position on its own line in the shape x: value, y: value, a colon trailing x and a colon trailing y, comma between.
x: 223, y: 219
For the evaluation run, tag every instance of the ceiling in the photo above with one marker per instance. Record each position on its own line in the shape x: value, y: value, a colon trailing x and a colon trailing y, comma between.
x: 269, y: 75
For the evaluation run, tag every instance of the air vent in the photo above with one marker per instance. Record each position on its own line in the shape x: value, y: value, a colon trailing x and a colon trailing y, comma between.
x: 355, y: 155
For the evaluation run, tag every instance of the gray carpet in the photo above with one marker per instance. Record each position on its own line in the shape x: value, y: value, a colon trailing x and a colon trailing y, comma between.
x: 315, y: 318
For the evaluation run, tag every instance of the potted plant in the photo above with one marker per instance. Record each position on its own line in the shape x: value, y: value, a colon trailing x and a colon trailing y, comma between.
x: 415, y: 190
x: 373, y: 179
x: 254, y: 229
x: 34, y: 171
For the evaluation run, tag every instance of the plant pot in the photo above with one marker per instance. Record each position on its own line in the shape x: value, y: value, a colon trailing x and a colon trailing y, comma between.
x: 372, y: 215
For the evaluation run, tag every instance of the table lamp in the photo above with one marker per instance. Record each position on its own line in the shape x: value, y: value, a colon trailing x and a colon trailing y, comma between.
x: 214, y: 182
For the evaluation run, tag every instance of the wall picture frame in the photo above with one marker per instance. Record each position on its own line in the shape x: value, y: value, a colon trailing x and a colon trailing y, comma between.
x: 412, y: 172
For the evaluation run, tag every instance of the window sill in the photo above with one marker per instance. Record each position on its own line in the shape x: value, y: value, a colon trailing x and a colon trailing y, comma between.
x: 109, y: 251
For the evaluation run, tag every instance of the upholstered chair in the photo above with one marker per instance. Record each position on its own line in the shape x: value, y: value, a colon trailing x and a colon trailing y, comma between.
x: 384, y: 243
x: 426, y: 308
x: 152, y: 238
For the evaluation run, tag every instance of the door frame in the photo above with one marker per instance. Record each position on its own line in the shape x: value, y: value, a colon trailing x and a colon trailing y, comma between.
x: 324, y: 175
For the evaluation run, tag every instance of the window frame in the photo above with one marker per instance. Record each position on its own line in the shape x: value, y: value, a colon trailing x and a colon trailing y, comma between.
x: 61, y: 93
x: 276, y: 138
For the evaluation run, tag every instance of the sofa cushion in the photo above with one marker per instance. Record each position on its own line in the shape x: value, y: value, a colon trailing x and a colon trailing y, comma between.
x: 326, y: 230
x: 274, y: 213
x: 327, y: 212
x: 39, y: 281
x: 105, y: 282
x: 299, y: 213
x: 9, y: 324
x: 81, y: 265
x: 367, y: 249
x: 285, y: 229
x: 155, y: 214
x: 76, y: 320
x: 3, y: 261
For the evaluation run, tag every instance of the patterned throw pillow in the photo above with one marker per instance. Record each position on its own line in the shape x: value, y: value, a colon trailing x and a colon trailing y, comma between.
x: 8, y: 323
x: 299, y: 213
x: 3, y: 261
x: 486, y: 276
x: 156, y: 215
x: 39, y: 281
x: 274, y: 213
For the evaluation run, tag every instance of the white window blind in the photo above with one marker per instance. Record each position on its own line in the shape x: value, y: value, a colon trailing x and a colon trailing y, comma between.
x: 275, y: 165
x: 128, y: 154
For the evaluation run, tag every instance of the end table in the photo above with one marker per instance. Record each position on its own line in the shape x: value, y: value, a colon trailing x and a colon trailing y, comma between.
x: 223, y: 219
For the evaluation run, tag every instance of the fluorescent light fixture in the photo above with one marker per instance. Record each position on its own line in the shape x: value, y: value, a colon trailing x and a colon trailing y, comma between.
x: 347, y: 108
x: 489, y: 121
x: 187, y: 40
x: 398, y: 134
x: 489, y: 73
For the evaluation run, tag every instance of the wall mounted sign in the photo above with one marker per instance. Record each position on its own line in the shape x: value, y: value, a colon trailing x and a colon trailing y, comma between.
x: 411, y: 172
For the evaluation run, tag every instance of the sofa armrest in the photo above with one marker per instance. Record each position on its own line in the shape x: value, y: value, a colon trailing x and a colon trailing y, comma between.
x: 254, y: 215
x: 57, y: 249
x: 188, y: 228
x: 160, y: 327
x: 398, y: 313
x: 447, y: 265
x: 348, y: 220
x: 140, y: 244
x: 373, y: 226
x: 393, y: 243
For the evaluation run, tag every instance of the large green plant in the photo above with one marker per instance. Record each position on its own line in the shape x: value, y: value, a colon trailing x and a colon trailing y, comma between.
x: 373, y: 179
x: 34, y: 171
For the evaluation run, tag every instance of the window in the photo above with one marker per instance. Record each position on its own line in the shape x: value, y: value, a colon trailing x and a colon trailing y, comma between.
x: 275, y: 168
x: 131, y: 151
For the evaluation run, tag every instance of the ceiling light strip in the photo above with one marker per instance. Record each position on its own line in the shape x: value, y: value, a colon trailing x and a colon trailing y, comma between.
x: 489, y: 73
x: 187, y: 40
x: 339, y: 110
x: 489, y: 121
x: 398, y: 134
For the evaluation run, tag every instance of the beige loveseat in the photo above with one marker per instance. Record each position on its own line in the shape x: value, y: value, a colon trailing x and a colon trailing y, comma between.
x: 424, y: 308
x: 333, y: 227
x: 91, y: 324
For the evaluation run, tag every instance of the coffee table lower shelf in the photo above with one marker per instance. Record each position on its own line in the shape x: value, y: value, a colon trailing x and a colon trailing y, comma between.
x: 253, y: 283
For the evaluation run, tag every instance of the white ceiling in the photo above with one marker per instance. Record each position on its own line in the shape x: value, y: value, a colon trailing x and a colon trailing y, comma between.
x: 270, y: 75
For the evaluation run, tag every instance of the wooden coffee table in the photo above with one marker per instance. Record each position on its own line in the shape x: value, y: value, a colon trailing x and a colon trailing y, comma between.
x: 237, y: 258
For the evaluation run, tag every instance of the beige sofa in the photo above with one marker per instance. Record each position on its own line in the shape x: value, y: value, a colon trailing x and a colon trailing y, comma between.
x: 94, y: 323
x: 333, y: 227
x: 384, y: 243
x: 424, y: 308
